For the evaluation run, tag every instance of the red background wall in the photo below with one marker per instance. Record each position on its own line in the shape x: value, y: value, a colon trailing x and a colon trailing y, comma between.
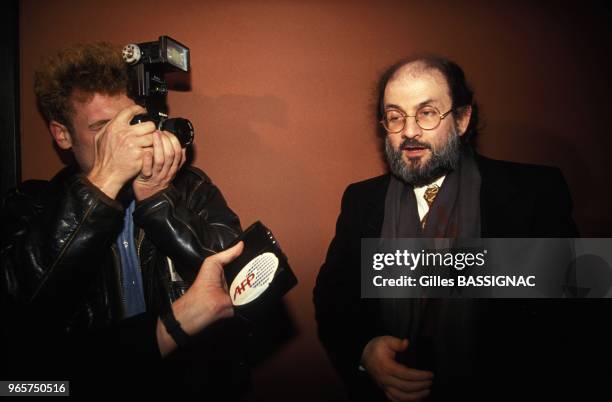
x: 282, y: 100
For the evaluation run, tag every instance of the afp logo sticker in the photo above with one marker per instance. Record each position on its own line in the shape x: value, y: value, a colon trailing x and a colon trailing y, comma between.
x: 253, y: 279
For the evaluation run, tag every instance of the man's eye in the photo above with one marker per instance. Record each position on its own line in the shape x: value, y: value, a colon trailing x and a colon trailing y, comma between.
x: 427, y: 112
x: 394, y: 116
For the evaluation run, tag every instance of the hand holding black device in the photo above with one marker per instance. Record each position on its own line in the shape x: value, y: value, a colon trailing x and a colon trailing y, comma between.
x: 260, y: 275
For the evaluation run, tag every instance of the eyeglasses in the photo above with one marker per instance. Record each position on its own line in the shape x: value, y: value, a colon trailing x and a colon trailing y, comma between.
x: 427, y: 117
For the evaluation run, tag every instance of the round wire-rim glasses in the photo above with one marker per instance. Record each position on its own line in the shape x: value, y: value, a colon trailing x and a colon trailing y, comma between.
x: 426, y: 117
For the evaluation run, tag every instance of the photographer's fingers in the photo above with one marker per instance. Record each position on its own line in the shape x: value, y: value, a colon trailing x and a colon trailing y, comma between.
x: 126, y: 115
x: 98, y: 145
x: 163, y: 155
x: 158, y: 151
x: 168, y: 154
x: 147, y: 163
x: 183, y: 157
x: 226, y: 256
x: 143, y: 128
x: 177, y: 152
x: 142, y: 141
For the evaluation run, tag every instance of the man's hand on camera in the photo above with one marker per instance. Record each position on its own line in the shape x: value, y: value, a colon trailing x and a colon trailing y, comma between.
x: 160, y: 165
x: 206, y: 301
x: 399, y: 383
x: 119, y: 151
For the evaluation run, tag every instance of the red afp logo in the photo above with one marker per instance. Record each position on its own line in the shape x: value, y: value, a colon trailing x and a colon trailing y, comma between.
x: 253, y: 279
x: 243, y: 285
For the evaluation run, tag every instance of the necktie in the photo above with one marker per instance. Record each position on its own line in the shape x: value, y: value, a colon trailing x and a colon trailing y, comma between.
x: 430, y: 195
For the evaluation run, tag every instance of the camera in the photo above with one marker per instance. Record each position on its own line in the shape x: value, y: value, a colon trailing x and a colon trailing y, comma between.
x: 149, y: 62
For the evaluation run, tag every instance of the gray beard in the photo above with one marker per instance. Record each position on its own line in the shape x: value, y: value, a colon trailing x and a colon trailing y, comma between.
x: 442, y: 161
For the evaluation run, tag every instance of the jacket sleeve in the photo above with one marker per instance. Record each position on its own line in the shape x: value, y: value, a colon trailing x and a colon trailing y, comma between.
x: 345, y: 321
x: 52, y: 233
x: 188, y: 221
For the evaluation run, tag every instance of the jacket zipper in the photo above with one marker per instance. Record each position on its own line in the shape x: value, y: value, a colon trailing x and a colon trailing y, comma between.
x: 139, y: 243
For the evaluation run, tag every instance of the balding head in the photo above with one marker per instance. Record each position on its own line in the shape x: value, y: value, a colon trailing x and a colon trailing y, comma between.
x: 411, y: 71
x: 446, y: 73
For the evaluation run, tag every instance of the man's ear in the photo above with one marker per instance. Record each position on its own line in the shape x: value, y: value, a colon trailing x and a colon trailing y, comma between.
x: 60, y: 134
x: 463, y: 121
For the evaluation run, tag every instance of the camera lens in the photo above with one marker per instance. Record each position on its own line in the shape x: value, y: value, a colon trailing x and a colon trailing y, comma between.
x: 182, y: 128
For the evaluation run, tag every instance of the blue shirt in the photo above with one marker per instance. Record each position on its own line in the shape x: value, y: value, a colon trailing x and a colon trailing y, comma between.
x: 132, y: 291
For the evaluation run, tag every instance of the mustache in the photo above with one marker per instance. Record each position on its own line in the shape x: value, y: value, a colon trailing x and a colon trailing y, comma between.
x: 412, y: 143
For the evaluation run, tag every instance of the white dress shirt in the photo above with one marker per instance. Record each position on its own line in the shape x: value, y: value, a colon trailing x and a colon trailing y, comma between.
x: 422, y: 205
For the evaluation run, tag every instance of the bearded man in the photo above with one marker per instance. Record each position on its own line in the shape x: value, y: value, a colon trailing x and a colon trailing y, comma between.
x: 437, y: 187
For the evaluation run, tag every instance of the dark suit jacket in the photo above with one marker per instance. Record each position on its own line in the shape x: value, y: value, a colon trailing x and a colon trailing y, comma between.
x: 517, y: 200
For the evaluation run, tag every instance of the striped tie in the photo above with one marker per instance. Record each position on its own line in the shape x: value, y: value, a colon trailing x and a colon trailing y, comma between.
x: 430, y: 195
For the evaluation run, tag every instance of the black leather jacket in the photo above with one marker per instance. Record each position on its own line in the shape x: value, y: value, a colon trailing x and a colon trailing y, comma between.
x: 59, y: 260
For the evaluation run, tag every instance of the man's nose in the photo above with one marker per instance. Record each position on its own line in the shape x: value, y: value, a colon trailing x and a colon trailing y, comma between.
x: 411, y: 128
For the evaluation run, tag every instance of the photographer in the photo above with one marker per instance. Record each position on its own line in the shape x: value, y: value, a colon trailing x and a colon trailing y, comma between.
x: 113, y: 239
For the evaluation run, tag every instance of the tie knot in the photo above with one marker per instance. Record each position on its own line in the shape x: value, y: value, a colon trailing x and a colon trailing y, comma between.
x: 430, y: 194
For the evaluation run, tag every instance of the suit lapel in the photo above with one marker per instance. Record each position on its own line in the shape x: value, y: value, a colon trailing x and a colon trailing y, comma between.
x: 374, y: 212
x: 394, y: 313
